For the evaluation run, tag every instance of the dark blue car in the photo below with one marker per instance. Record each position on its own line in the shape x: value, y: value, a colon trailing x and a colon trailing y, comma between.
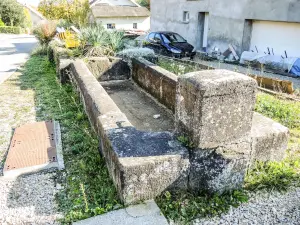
x: 169, y: 44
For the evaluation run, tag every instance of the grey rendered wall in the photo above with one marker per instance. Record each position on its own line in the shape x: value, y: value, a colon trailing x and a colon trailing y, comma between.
x: 226, y: 18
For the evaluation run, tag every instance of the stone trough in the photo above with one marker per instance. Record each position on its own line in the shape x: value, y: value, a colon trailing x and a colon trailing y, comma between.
x: 211, y: 109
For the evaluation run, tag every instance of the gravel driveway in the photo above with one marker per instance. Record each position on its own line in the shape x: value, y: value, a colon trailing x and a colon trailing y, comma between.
x: 263, y: 208
x: 28, y: 199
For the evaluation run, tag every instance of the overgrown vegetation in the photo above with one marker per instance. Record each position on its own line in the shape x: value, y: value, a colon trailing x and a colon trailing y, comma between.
x: 185, y: 207
x: 89, y: 191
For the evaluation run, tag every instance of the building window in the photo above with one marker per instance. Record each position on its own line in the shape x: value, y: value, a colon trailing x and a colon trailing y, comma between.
x: 111, y: 26
x: 186, y: 16
x: 134, y: 25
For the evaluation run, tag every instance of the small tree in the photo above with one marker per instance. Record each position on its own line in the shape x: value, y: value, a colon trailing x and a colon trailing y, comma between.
x: 11, y: 13
x: 74, y: 11
x: 144, y: 3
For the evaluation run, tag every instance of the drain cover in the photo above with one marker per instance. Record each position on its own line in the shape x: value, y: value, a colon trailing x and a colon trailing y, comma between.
x: 32, y: 147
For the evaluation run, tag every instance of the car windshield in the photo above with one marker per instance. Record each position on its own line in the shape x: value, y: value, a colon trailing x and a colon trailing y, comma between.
x: 173, y: 38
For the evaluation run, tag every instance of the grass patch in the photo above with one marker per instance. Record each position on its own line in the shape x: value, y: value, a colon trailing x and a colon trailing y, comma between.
x: 284, y: 111
x: 88, y: 191
x: 175, y: 67
x: 185, y: 207
x: 278, y: 175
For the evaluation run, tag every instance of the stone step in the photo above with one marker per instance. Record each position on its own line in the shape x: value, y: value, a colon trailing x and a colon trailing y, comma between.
x: 146, y: 213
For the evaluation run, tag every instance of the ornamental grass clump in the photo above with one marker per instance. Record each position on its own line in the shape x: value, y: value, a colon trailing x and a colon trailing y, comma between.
x: 45, y: 32
x: 96, y: 41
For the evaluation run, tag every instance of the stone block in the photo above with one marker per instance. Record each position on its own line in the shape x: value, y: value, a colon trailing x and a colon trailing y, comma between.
x: 215, y: 107
x: 220, y: 169
x: 269, y: 139
x: 146, y: 213
x: 144, y: 164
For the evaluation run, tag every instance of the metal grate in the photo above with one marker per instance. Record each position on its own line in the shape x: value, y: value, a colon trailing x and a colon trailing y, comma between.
x: 31, y: 145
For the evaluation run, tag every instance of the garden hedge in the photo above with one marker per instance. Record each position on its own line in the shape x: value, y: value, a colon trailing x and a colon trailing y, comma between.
x: 10, y: 30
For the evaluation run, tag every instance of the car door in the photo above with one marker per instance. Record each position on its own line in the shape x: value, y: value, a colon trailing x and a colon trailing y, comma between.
x: 157, y: 44
x: 149, y: 43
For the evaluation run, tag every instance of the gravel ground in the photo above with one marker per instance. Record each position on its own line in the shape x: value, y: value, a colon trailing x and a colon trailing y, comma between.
x: 245, y: 70
x: 28, y: 199
x: 264, y: 207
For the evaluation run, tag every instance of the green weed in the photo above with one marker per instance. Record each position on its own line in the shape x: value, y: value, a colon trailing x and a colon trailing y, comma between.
x: 283, y: 111
x: 185, y: 207
x: 89, y: 191
x: 185, y: 141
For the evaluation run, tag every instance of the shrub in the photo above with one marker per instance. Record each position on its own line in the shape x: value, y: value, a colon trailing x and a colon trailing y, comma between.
x: 40, y: 50
x: 2, y: 24
x: 116, y: 40
x: 64, y: 23
x: 45, y: 32
x: 10, y: 30
x: 73, y: 11
x: 136, y: 53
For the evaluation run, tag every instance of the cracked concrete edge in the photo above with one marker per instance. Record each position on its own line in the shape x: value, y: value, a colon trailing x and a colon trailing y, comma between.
x: 59, y: 151
x: 147, y: 213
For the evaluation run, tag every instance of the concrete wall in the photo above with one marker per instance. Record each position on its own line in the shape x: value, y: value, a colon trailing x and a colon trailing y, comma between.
x: 126, y: 23
x: 157, y: 81
x: 226, y: 18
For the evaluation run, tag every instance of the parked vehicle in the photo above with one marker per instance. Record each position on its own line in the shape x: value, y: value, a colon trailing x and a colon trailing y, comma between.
x: 169, y: 44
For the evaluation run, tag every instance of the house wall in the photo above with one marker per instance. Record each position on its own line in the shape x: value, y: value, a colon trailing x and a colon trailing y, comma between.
x: 226, y: 22
x: 126, y: 23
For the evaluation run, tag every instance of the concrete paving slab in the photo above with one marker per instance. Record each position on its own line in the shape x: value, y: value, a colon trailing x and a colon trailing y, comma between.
x: 146, y: 213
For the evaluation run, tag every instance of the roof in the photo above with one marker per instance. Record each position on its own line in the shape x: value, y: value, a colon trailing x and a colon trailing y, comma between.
x: 119, y: 11
x: 105, y: 2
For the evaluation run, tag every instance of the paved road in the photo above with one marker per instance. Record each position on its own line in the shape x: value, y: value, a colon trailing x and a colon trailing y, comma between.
x: 14, y: 51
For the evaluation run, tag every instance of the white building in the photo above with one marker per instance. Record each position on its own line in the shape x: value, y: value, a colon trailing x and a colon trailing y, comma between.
x: 120, y: 14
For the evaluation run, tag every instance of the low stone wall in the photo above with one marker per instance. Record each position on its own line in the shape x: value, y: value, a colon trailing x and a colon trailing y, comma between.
x: 157, y: 81
x: 141, y: 164
x: 213, y: 109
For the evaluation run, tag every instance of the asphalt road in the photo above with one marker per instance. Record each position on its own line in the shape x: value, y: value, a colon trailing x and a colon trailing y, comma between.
x: 14, y: 51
